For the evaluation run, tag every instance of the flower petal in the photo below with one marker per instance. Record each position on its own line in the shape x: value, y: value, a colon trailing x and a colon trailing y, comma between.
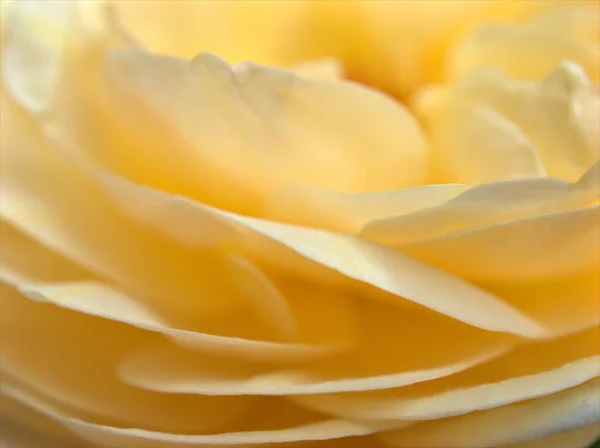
x: 528, y: 372
x: 279, y: 127
x: 558, y: 114
x: 519, y: 250
x: 480, y: 206
x: 31, y: 59
x: 349, y: 213
x: 117, y: 437
x: 77, y: 369
x: 529, y: 50
x: 571, y: 409
x: 410, y: 348
x: 100, y: 300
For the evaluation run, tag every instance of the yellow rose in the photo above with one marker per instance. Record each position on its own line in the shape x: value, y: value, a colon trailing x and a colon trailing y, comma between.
x: 199, y: 254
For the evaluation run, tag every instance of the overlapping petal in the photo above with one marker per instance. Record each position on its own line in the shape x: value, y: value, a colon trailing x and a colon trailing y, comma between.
x: 203, y: 254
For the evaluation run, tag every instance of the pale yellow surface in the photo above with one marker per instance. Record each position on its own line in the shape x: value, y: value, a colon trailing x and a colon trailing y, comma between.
x: 199, y: 251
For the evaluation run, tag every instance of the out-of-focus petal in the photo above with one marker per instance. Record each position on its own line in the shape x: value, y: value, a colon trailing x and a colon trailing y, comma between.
x: 531, y: 49
x: 31, y: 60
x: 576, y: 438
x: 488, y: 126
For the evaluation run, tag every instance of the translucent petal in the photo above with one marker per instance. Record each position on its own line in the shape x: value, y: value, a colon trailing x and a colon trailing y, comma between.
x: 558, y: 115
x: 117, y: 437
x: 280, y: 128
x: 378, y: 266
x: 474, y: 144
x: 24, y: 261
x: 395, y: 348
x: 349, y: 213
x: 369, y: 263
x: 529, y: 50
x: 49, y: 197
x: 31, y: 58
x: 571, y: 409
x: 72, y: 358
x: 529, y: 372
x: 545, y: 246
x: 483, y: 205
x: 100, y: 300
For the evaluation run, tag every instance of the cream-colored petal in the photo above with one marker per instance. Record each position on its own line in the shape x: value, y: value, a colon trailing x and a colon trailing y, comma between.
x: 348, y: 213
x: 278, y: 127
x: 100, y: 300
x: 360, y: 260
x: 529, y: 372
x: 558, y: 114
x: 529, y: 50
x: 73, y: 357
x: 395, y: 348
x: 464, y: 400
x: 51, y: 198
x: 24, y: 261
x: 474, y: 144
x: 31, y: 60
x: 188, y: 378
x: 379, y: 266
x: 571, y: 409
x: 117, y: 437
x: 546, y: 246
x: 480, y: 206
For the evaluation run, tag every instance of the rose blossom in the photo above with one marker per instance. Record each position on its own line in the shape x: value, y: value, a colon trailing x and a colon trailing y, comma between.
x: 203, y: 254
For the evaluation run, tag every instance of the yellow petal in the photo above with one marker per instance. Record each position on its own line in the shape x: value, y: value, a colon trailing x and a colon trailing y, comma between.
x: 272, y: 129
x: 480, y: 206
x: 251, y: 30
x: 31, y: 60
x: 519, y: 250
x: 117, y: 437
x: 571, y: 409
x: 349, y: 213
x: 78, y: 368
x: 24, y: 261
x: 558, y: 114
x: 361, y: 260
x: 531, y: 49
x: 49, y: 197
x: 100, y: 300
x: 527, y: 373
x: 384, y: 357
x: 475, y: 144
